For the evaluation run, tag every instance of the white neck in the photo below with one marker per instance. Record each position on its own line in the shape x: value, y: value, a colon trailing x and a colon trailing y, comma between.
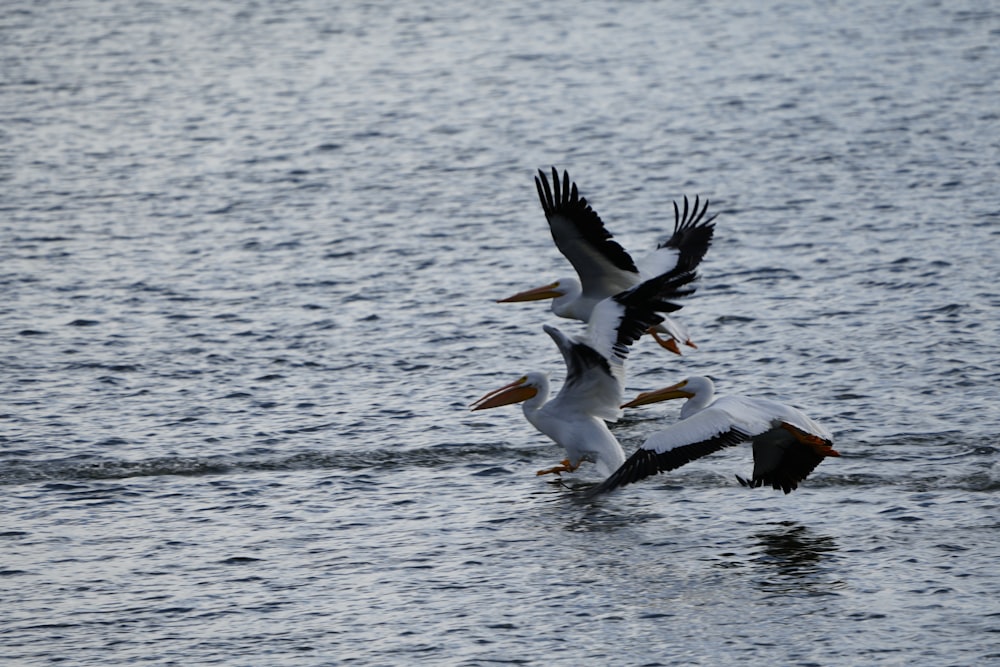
x: 704, y: 394
x: 569, y: 305
x: 535, y: 403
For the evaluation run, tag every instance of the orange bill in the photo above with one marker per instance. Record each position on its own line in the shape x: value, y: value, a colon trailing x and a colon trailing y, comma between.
x: 657, y: 395
x: 550, y: 291
x: 515, y: 392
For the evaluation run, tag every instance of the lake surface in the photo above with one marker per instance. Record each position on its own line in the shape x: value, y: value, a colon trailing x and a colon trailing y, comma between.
x: 250, y: 254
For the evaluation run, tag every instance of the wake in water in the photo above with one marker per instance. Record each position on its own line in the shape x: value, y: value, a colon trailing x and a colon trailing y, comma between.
x: 914, y: 462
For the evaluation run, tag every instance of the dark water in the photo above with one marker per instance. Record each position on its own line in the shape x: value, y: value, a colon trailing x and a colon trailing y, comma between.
x: 248, y: 254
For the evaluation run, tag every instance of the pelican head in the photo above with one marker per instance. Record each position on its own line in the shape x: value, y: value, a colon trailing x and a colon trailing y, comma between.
x: 525, y: 387
x: 565, y: 294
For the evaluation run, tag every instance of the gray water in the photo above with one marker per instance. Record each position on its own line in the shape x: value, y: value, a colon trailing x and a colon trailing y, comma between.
x: 249, y: 254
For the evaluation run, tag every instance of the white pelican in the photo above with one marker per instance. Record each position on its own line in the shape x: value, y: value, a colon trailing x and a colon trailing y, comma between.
x: 592, y: 392
x: 787, y: 445
x: 603, y: 266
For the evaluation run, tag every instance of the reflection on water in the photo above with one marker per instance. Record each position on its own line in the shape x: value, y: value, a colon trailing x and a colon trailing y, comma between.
x: 576, y: 512
x: 795, y: 560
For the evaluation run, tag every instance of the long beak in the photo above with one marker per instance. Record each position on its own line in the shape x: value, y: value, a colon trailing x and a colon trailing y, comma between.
x: 515, y: 392
x: 537, y: 294
x: 657, y: 395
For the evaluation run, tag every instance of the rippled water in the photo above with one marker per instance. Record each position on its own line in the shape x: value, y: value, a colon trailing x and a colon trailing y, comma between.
x: 249, y: 256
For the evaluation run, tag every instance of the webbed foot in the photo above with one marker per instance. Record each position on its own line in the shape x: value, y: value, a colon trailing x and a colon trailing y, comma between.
x: 564, y: 466
x: 667, y: 343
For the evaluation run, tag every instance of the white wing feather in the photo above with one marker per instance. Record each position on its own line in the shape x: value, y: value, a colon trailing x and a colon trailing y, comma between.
x: 602, y: 329
x: 589, y: 389
x: 658, y: 262
x: 707, y: 424
x: 595, y: 393
x: 765, y: 407
x: 751, y: 416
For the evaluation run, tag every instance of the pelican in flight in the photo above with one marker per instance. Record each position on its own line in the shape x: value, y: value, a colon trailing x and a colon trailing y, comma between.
x: 592, y: 391
x: 787, y: 445
x: 602, y: 265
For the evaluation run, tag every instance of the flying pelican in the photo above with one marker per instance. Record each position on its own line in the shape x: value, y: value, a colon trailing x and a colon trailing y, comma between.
x: 592, y: 391
x: 787, y: 445
x: 603, y: 266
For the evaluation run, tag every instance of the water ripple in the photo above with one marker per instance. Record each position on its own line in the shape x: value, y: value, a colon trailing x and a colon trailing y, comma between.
x: 250, y: 257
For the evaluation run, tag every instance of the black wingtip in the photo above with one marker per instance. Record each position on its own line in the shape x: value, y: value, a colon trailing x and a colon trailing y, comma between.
x: 690, y: 219
x: 644, y: 303
x: 693, y: 232
x: 562, y: 199
x: 544, y: 192
x: 692, y: 215
x: 561, y: 192
x: 785, y: 484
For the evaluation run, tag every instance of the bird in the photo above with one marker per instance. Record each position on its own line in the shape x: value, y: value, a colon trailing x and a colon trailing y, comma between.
x: 604, y: 268
x: 787, y: 445
x: 593, y: 388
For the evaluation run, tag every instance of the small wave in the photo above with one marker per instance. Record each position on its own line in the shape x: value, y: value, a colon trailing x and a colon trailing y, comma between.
x: 907, y: 463
x: 486, y: 456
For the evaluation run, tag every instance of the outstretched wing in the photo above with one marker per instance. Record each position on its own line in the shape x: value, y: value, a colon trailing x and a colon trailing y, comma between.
x: 604, y: 267
x: 700, y: 435
x: 785, y: 455
x: 617, y: 322
x: 687, y: 246
x: 593, y: 385
x: 795, y: 465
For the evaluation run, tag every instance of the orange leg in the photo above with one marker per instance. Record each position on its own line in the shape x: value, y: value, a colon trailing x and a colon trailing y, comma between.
x: 667, y: 344
x: 564, y: 466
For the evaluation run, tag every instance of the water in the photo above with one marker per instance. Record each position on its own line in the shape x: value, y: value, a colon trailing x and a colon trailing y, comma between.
x: 249, y: 256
